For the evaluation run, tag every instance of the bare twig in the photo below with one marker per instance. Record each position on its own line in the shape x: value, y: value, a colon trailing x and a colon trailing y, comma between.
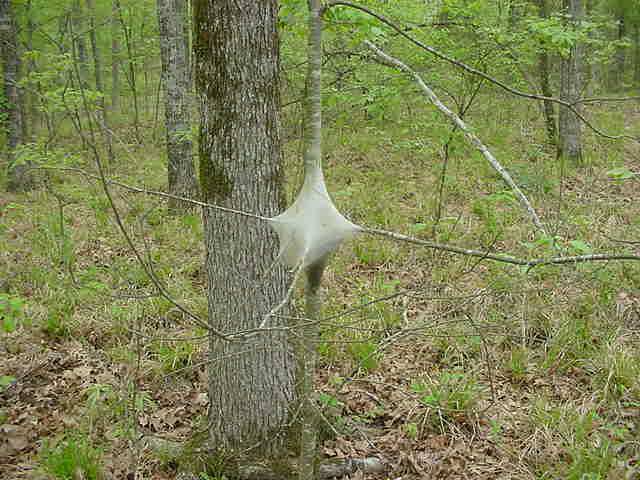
x: 534, y: 262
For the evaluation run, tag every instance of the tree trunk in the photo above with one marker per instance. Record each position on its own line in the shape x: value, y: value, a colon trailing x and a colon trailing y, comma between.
x: 251, y: 383
x: 115, y: 56
x: 616, y: 73
x: 30, y: 99
x: 636, y: 56
x: 97, y: 65
x: 18, y: 175
x: 131, y: 70
x: 175, y: 78
x: 545, y: 84
x: 570, y: 128
x: 81, y: 44
x: 308, y: 331
x: 184, y: 8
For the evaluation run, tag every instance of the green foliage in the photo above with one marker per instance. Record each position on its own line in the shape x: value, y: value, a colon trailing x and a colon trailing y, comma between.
x: 452, y: 394
x: 365, y: 354
x: 39, y: 154
x: 175, y: 355
x: 5, y: 381
x: 11, y: 312
x: 517, y: 363
x: 620, y: 173
x: 71, y: 458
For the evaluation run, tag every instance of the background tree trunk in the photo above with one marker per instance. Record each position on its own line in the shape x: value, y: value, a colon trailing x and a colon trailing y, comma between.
x: 251, y: 384
x: 30, y: 99
x: 81, y: 44
x: 636, y: 56
x: 616, y: 72
x: 175, y: 78
x: 115, y: 56
x: 545, y: 84
x: 570, y: 129
x: 131, y: 72
x: 18, y: 176
x: 97, y: 65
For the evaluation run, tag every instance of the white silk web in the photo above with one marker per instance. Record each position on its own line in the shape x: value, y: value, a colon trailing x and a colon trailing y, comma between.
x: 312, y: 227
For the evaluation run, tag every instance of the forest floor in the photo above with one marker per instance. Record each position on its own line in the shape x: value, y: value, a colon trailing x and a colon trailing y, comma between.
x: 469, y: 369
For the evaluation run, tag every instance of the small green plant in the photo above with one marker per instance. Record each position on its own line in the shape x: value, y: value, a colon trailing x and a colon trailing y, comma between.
x: 56, y: 326
x: 176, y: 355
x: 365, y: 354
x: 619, y: 375
x: 411, y: 430
x: 572, y: 344
x: 5, y: 381
x: 11, y: 312
x: 452, y: 393
x: 517, y: 363
x: 74, y: 457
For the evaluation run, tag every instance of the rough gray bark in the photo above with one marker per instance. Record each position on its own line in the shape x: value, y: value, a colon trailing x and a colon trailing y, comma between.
x: 545, y: 84
x: 18, y: 176
x: 184, y: 8
x: 236, y: 70
x: 115, y: 56
x: 569, y: 126
x: 175, y: 78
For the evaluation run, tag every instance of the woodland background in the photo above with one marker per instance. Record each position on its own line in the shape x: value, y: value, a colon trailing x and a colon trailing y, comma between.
x: 443, y: 365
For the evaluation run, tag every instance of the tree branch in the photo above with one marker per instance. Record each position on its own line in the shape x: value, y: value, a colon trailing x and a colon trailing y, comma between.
x: 468, y: 68
x: 473, y: 139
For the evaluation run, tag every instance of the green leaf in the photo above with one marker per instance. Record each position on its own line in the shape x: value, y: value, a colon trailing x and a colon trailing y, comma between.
x: 9, y: 324
x: 580, y: 247
x: 430, y: 400
x: 620, y: 173
x: 5, y: 381
x: 328, y: 400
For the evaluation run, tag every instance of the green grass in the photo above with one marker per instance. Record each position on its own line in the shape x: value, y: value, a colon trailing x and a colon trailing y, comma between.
x: 557, y: 346
x: 71, y: 458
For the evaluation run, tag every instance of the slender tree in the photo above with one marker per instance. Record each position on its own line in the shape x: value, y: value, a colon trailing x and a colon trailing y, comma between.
x: 544, y: 68
x: 571, y: 66
x: 251, y: 383
x: 636, y: 55
x: 97, y: 66
x: 115, y: 55
x: 131, y: 71
x: 80, y: 43
x: 176, y: 81
x: 18, y: 175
